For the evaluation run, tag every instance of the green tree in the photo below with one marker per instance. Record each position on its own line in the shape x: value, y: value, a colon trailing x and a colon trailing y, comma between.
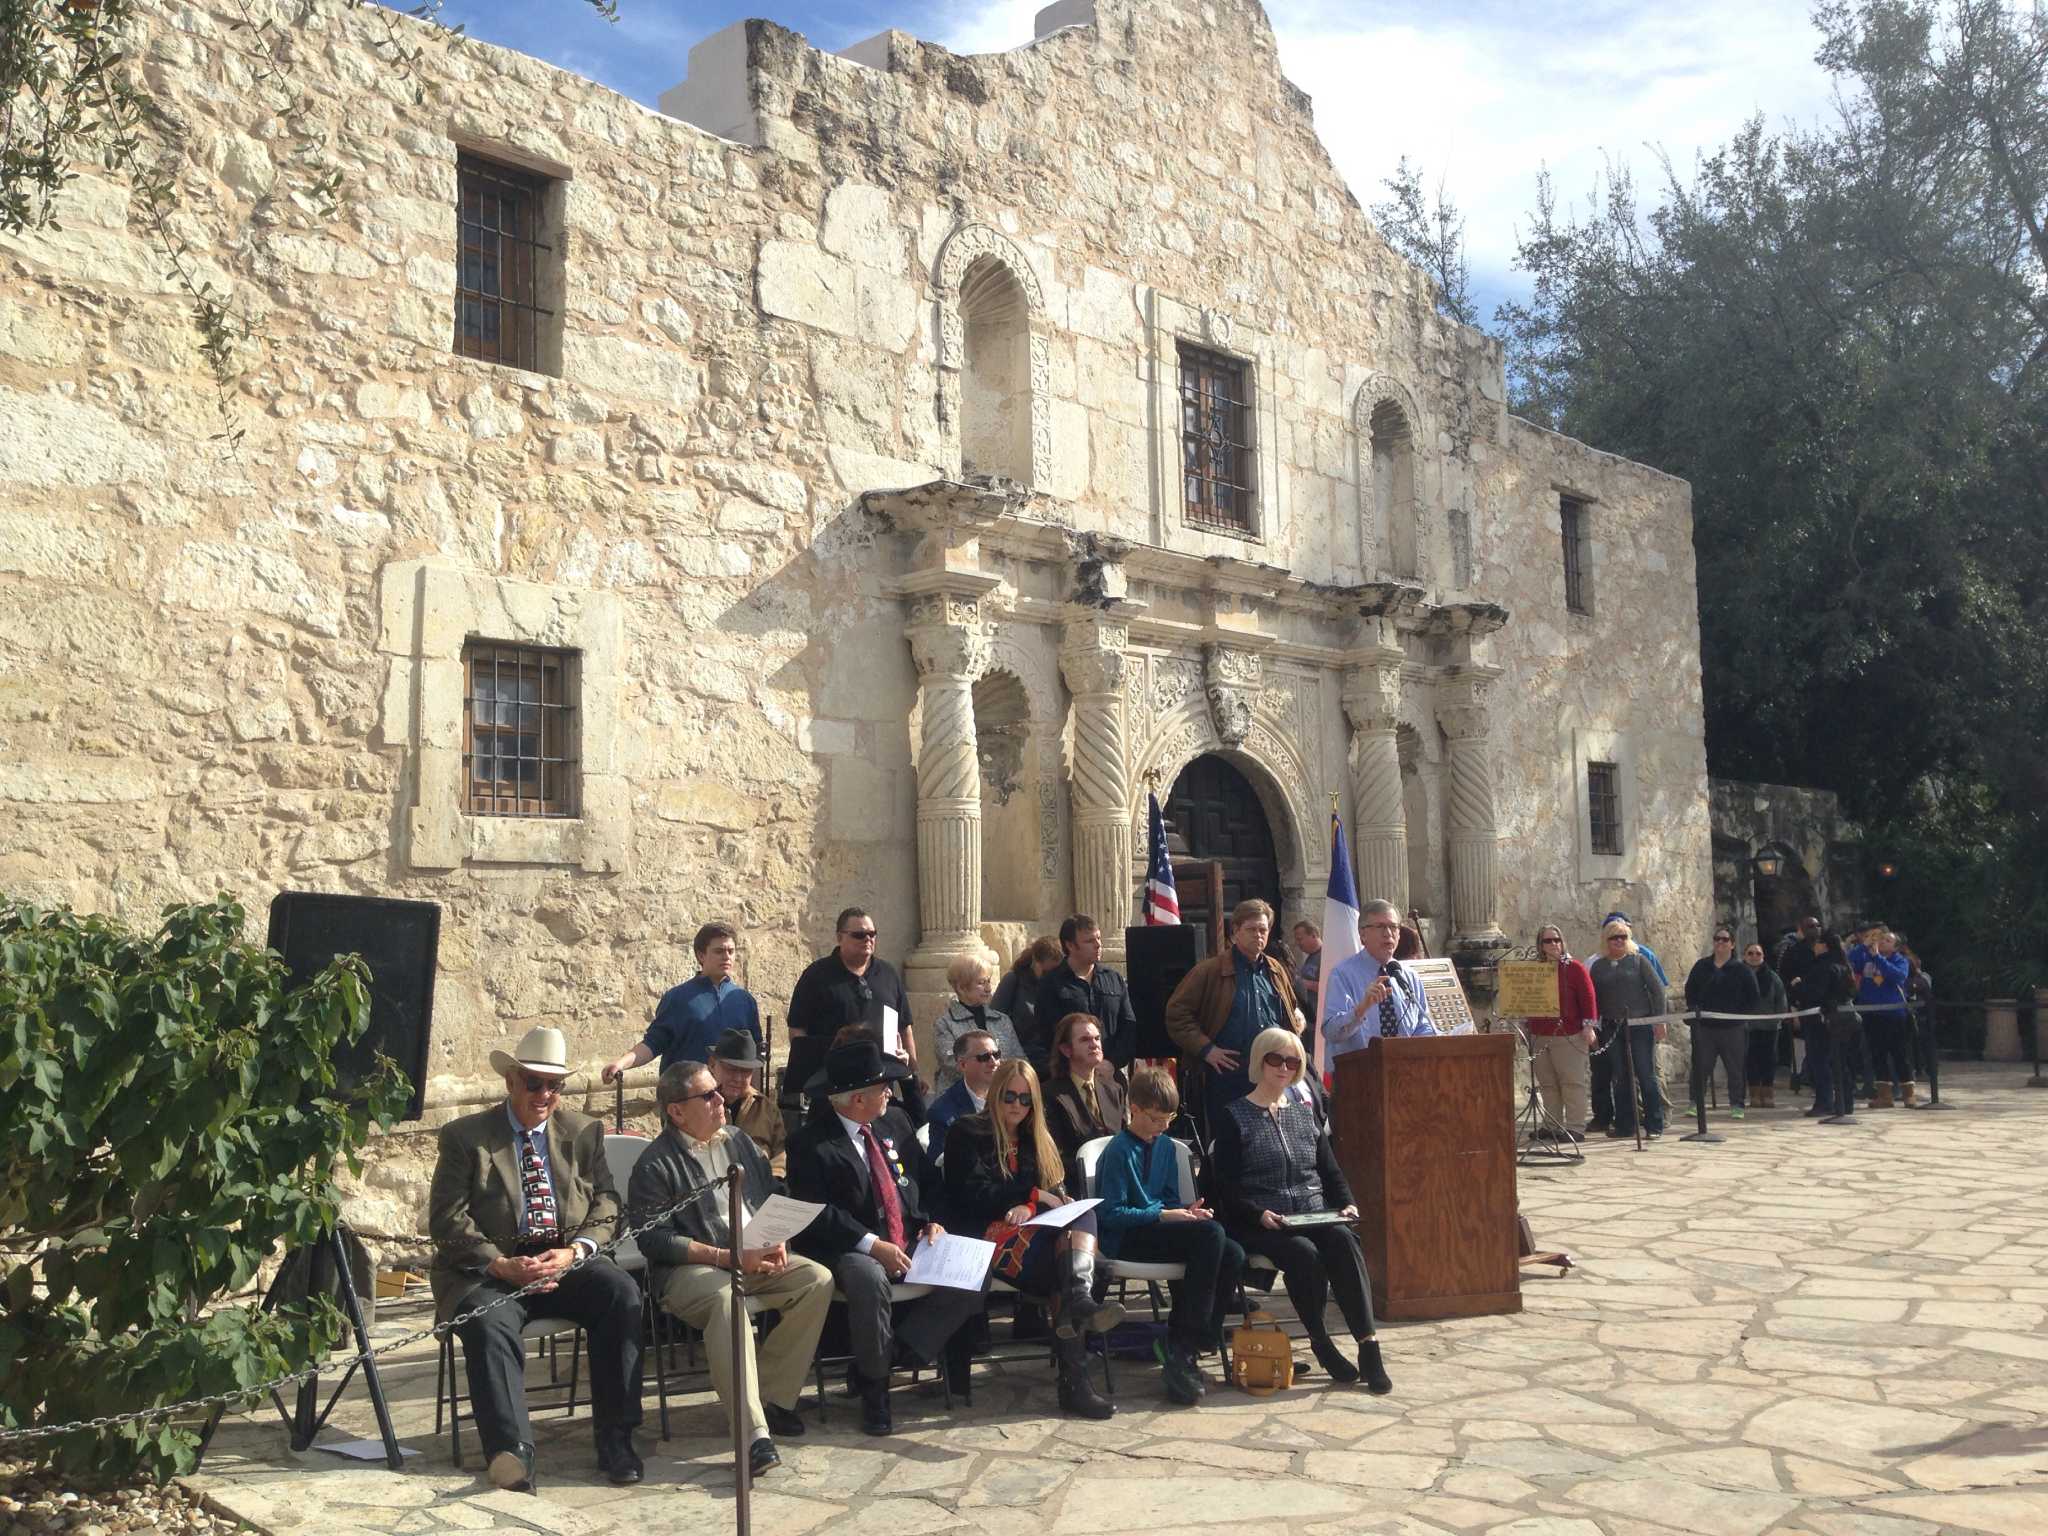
x: 1838, y: 336
x: 1428, y: 229
x: 169, y: 1116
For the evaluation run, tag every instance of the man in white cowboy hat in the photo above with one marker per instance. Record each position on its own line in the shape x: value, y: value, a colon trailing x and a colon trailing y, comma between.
x: 521, y: 1192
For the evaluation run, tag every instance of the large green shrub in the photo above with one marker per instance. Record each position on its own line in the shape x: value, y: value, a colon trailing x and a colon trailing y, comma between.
x: 169, y: 1116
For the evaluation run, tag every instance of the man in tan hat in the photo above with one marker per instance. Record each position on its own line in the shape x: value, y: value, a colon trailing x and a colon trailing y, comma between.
x: 521, y: 1192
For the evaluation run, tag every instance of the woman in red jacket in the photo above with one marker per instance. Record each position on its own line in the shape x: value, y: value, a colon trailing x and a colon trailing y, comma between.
x: 1561, y: 1047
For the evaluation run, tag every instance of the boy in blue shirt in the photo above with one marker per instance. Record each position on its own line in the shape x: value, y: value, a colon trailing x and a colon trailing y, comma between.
x: 1142, y: 1220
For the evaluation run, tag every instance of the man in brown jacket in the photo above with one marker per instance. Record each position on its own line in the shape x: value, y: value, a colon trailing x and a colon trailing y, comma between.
x: 1222, y: 1004
x: 521, y: 1192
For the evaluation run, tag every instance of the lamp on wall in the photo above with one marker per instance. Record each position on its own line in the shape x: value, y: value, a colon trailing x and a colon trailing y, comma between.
x: 1768, y: 864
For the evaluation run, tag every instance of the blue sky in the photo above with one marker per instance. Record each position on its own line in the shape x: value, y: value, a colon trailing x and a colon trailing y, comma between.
x: 1482, y: 92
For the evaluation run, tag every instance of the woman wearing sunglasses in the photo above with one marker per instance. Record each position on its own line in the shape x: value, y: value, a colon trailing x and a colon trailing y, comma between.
x: 1277, y: 1188
x: 1560, y: 1047
x: 1002, y: 1169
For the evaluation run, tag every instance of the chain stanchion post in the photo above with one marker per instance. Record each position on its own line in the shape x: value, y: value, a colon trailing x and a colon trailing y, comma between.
x: 1931, y: 1034
x: 742, y: 1478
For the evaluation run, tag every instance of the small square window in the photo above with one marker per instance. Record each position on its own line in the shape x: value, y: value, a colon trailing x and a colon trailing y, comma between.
x: 519, y: 730
x: 507, y: 267
x: 1216, y: 440
x: 1572, y: 519
x: 1603, y: 807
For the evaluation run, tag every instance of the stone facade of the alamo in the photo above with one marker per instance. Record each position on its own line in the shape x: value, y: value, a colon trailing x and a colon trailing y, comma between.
x: 911, y: 453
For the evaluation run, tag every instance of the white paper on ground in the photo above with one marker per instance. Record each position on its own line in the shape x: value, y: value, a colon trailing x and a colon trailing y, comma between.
x: 958, y: 1263
x: 361, y: 1450
x: 779, y: 1219
x: 1061, y: 1215
x: 889, y: 1041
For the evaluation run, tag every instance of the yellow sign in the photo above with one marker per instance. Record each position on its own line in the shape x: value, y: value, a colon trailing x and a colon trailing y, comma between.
x: 1528, y: 989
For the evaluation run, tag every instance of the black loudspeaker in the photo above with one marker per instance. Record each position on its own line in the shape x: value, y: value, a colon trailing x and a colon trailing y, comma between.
x: 1155, y: 960
x: 399, y: 941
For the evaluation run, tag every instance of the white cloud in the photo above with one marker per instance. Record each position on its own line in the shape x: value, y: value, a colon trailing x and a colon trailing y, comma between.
x: 1487, y: 92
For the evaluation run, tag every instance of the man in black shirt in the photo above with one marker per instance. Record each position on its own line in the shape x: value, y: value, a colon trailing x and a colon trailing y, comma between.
x: 850, y: 986
x: 1080, y: 983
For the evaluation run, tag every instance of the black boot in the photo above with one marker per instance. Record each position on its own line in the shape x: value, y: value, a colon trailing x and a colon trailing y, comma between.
x: 874, y: 1403
x: 1373, y: 1369
x: 959, y: 1359
x: 1075, y: 1309
x: 1331, y: 1358
x: 1078, y: 1396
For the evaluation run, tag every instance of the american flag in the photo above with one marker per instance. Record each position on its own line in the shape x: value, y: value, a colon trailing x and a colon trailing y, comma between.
x: 1162, y: 901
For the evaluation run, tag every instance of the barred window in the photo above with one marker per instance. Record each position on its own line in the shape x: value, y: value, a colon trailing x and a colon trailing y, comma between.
x: 519, y: 730
x: 1572, y: 519
x: 505, y: 272
x: 1603, y: 806
x: 1216, y: 439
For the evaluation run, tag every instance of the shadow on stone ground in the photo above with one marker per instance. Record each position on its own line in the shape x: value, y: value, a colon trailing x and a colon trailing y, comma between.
x: 1803, y: 1329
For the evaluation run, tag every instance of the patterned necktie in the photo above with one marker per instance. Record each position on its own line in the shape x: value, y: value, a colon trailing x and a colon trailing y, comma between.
x: 1390, y: 1021
x: 1088, y: 1096
x: 885, y: 1187
x: 541, y: 1221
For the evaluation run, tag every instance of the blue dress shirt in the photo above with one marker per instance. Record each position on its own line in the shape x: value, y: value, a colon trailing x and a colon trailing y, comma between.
x: 689, y: 1019
x: 1349, y: 982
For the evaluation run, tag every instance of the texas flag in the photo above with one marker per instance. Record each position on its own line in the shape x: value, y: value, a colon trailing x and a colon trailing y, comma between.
x: 1162, y: 901
x: 1340, y: 927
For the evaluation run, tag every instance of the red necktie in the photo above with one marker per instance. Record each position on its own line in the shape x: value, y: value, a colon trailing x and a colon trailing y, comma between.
x: 885, y: 1187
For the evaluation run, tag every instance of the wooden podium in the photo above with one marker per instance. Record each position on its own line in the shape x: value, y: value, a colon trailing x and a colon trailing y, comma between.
x: 1426, y: 1137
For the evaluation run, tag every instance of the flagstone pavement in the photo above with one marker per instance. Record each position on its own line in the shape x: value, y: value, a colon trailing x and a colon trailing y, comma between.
x: 1834, y: 1330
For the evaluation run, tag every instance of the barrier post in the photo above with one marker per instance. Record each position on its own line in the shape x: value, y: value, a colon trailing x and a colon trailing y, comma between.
x: 1702, y: 1074
x: 742, y: 1471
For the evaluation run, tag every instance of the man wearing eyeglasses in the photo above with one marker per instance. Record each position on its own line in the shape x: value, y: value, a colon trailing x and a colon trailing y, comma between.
x: 522, y: 1196
x: 976, y: 1057
x: 1371, y: 996
x: 691, y: 1258
x: 852, y: 985
x: 707, y: 1006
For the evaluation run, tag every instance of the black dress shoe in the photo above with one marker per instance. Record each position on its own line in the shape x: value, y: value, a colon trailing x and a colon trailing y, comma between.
x: 617, y: 1459
x: 513, y: 1470
x: 763, y: 1457
x: 782, y: 1421
x: 874, y: 1405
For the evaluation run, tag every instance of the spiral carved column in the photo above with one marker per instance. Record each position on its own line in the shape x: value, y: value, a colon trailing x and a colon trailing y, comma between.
x: 949, y: 656
x: 1093, y: 662
x: 1379, y: 818
x: 1463, y: 709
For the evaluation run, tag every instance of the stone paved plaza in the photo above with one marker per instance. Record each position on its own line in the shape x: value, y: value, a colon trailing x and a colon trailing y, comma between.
x: 1807, y: 1328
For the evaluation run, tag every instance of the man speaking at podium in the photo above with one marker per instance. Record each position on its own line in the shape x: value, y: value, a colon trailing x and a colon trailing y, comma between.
x: 1372, y: 995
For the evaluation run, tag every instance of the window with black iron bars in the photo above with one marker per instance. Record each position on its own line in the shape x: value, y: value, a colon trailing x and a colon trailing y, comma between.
x: 1215, y: 435
x: 1572, y: 519
x: 501, y: 253
x: 1603, y: 806
x: 519, y: 730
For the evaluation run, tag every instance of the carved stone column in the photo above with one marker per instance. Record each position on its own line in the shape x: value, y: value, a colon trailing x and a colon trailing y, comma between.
x: 950, y: 655
x: 1093, y: 662
x: 1379, y: 817
x: 1464, y: 700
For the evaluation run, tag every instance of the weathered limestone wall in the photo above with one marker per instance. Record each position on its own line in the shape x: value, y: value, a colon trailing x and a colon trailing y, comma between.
x: 231, y: 668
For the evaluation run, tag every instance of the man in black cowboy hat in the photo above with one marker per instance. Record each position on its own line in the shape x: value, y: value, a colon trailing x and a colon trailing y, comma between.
x: 736, y: 1067
x: 860, y: 1162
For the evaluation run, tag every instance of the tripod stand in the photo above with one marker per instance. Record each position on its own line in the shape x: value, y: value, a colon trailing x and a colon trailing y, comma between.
x: 327, y: 1268
x: 1533, y: 1149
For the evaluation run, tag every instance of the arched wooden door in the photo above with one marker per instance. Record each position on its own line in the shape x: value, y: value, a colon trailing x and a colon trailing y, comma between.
x: 1214, y: 815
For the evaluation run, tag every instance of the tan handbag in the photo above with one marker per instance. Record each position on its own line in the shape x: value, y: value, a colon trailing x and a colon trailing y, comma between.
x: 1261, y: 1356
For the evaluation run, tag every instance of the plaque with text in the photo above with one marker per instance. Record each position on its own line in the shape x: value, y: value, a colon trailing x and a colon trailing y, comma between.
x: 1528, y: 989
x: 1448, y: 1009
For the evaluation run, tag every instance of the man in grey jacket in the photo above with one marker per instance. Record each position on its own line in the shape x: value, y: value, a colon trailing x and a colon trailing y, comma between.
x: 690, y: 1258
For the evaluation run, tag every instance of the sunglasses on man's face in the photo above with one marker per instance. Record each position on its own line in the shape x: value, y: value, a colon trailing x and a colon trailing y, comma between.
x: 985, y: 1057
x: 860, y: 935
x: 1011, y: 1096
x: 709, y: 1096
x: 534, y: 1084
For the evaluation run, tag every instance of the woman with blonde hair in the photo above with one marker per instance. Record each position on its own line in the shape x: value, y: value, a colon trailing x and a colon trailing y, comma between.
x: 1281, y: 1194
x: 972, y: 979
x: 1625, y: 985
x: 1002, y: 1169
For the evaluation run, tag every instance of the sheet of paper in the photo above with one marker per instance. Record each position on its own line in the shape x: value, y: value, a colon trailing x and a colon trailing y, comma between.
x: 361, y: 1450
x: 958, y: 1263
x: 889, y: 1042
x: 1061, y: 1215
x: 779, y: 1219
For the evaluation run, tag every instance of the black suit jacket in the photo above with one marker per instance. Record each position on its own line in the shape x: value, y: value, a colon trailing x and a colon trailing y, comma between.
x: 825, y: 1166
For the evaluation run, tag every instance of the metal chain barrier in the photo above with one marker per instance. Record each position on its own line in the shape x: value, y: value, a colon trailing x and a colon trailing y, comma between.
x: 224, y: 1400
